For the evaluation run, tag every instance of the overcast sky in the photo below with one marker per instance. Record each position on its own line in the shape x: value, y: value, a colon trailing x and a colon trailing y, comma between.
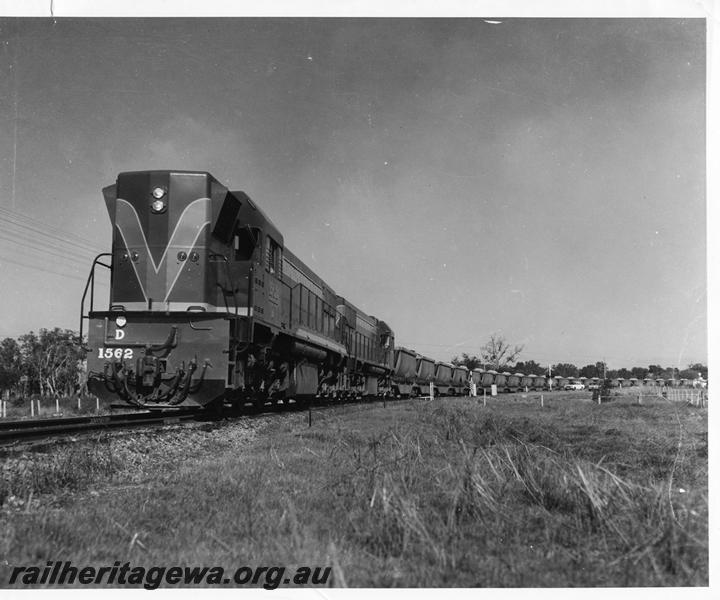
x: 541, y: 178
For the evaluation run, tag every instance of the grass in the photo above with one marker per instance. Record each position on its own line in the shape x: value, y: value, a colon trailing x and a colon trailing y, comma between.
x: 443, y: 493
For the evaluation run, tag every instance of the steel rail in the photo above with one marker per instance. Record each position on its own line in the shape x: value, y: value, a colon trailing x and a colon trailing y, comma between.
x: 17, y: 430
x: 39, y: 428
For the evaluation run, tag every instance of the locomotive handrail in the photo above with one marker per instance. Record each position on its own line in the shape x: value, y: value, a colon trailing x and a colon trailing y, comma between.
x: 232, y: 289
x: 91, y: 285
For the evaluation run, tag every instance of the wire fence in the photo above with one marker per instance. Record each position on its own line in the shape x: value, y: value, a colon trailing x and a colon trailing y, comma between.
x: 36, y: 407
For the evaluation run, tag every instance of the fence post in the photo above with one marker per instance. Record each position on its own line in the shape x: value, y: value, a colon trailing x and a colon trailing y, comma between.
x: 542, y: 401
x: 97, y: 403
x: 57, y: 405
x: 79, y: 407
x: 32, y: 408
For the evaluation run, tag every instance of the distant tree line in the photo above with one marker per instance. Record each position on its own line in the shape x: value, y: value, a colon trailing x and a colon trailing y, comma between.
x: 48, y: 363
x: 497, y: 354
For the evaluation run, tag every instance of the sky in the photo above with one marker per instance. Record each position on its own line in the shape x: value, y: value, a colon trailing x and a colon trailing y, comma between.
x: 539, y: 178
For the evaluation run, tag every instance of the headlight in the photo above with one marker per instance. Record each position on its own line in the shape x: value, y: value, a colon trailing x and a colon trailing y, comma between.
x: 158, y: 192
x: 120, y: 321
x: 158, y: 206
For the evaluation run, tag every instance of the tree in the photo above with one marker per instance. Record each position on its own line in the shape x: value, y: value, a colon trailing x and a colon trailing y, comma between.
x: 693, y: 371
x: 497, y: 353
x: 655, y: 370
x: 639, y: 372
x: 10, y: 364
x: 670, y: 373
x: 51, y: 361
x: 471, y: 362
x: 590, y: 371
x: 530, y: 367
x: 700, y: 368
x: 565, y: 370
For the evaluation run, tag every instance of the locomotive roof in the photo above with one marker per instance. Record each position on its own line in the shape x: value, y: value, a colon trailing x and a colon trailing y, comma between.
x: 241, y: 196
x: 307, y: 271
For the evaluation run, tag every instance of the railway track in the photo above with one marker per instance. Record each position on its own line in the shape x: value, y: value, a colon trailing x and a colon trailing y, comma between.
x: 38, y: 429
x: 12, y: 431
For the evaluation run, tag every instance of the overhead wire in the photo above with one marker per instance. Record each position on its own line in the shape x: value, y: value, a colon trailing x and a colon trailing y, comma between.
x: 57, y: 252
x: 64, y: 246
x: 45, y: 230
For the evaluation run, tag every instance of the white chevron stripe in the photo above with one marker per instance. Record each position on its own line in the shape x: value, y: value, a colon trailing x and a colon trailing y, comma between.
x: 128, y: 224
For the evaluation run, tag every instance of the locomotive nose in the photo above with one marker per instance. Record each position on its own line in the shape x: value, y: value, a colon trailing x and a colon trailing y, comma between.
x: 160, y: 218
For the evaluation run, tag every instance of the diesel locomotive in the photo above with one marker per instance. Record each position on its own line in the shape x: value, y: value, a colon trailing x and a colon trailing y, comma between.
x: 207, y: 305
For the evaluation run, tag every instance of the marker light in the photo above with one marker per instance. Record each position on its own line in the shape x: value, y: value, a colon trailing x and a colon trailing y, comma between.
x: 120, y: 321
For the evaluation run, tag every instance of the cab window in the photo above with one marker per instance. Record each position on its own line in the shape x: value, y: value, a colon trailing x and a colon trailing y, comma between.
x: 244, y: 242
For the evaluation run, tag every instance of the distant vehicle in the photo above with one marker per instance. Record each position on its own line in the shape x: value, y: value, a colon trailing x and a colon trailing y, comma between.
x: 574, y: 386
x: 594, y: 386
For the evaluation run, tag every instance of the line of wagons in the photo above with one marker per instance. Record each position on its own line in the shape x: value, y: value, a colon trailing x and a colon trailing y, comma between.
x: 414, y: 375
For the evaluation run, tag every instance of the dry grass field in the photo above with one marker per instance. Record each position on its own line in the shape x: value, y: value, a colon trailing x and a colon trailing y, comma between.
x: 417, y: 493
